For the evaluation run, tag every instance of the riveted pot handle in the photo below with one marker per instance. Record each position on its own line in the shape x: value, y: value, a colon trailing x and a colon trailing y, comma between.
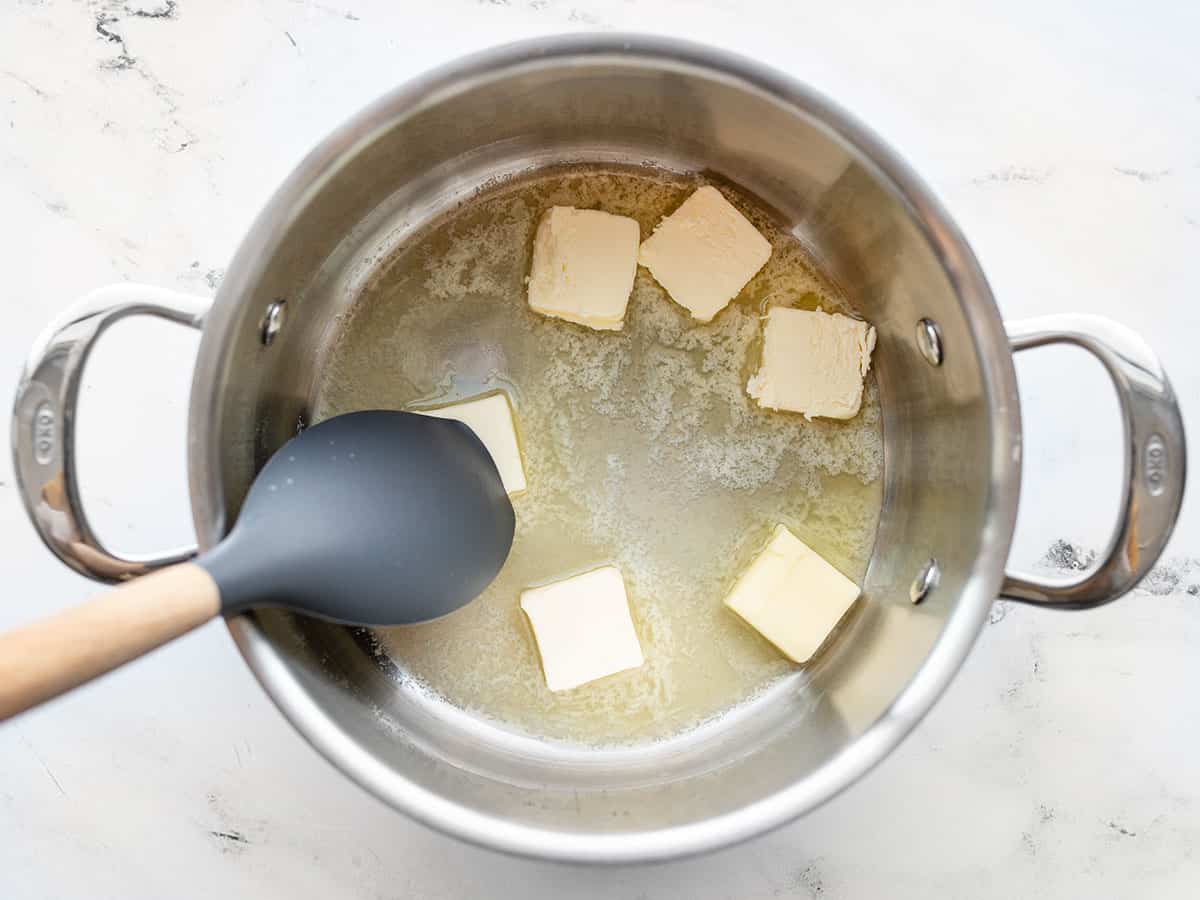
x: 1155, y: 460
x: 43, y: 426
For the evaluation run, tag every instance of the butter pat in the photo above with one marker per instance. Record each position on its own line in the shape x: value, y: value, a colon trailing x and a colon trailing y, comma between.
x: 583, y: 266
x: 704, y: 253
x: 813, y: 363
x: 491, y: 418
x: 583, y: 628
x: 791, y: 596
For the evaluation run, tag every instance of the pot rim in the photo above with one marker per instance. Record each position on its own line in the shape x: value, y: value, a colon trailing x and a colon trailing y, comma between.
x: 962, y: 625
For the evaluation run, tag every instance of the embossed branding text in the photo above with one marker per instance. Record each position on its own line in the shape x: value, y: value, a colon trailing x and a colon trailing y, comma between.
x: 45, y: 432
x: 1154, y: 464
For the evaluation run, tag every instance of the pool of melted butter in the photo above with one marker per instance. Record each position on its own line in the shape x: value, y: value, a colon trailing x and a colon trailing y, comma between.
x: 641, y: 449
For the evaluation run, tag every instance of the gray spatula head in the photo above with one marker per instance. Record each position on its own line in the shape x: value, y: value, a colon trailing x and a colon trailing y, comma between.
x: 373, y: 518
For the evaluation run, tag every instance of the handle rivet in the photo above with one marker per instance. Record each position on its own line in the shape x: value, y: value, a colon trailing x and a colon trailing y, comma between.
x: 272, y: 321
x: 927, y: 579
x: 929, y: 341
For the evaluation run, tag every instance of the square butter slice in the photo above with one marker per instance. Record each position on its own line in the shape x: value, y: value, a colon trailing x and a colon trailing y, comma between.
x: 584, y: 262
x: 813, y: 363
x: 791, y: 596
x: 583, y: 628
x: 490, y: 417
x: 704, y: 253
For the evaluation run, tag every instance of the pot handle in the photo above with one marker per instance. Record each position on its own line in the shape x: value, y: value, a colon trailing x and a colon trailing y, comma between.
x: 43, y: 425
x: 1155, y: 460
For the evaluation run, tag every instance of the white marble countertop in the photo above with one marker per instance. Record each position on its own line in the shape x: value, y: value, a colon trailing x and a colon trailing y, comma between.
x: 137, y: 140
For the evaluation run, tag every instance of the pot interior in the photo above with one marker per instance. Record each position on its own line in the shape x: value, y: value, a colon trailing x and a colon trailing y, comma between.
x: 367, y: 191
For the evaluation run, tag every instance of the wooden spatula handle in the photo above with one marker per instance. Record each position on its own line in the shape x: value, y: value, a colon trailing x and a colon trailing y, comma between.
x: 46, y: 658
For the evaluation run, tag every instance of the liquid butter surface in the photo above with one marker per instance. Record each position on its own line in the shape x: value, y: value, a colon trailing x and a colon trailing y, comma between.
x: 641, y: 450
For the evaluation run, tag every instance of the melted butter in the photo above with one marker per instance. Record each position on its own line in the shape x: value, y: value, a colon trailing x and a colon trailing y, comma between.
x: 641, y: 449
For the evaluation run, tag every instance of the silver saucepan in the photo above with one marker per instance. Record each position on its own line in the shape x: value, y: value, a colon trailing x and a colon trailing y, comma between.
x: 951, y: 422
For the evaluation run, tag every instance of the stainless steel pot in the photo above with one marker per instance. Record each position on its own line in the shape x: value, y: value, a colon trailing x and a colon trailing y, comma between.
x: 950, y: 415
